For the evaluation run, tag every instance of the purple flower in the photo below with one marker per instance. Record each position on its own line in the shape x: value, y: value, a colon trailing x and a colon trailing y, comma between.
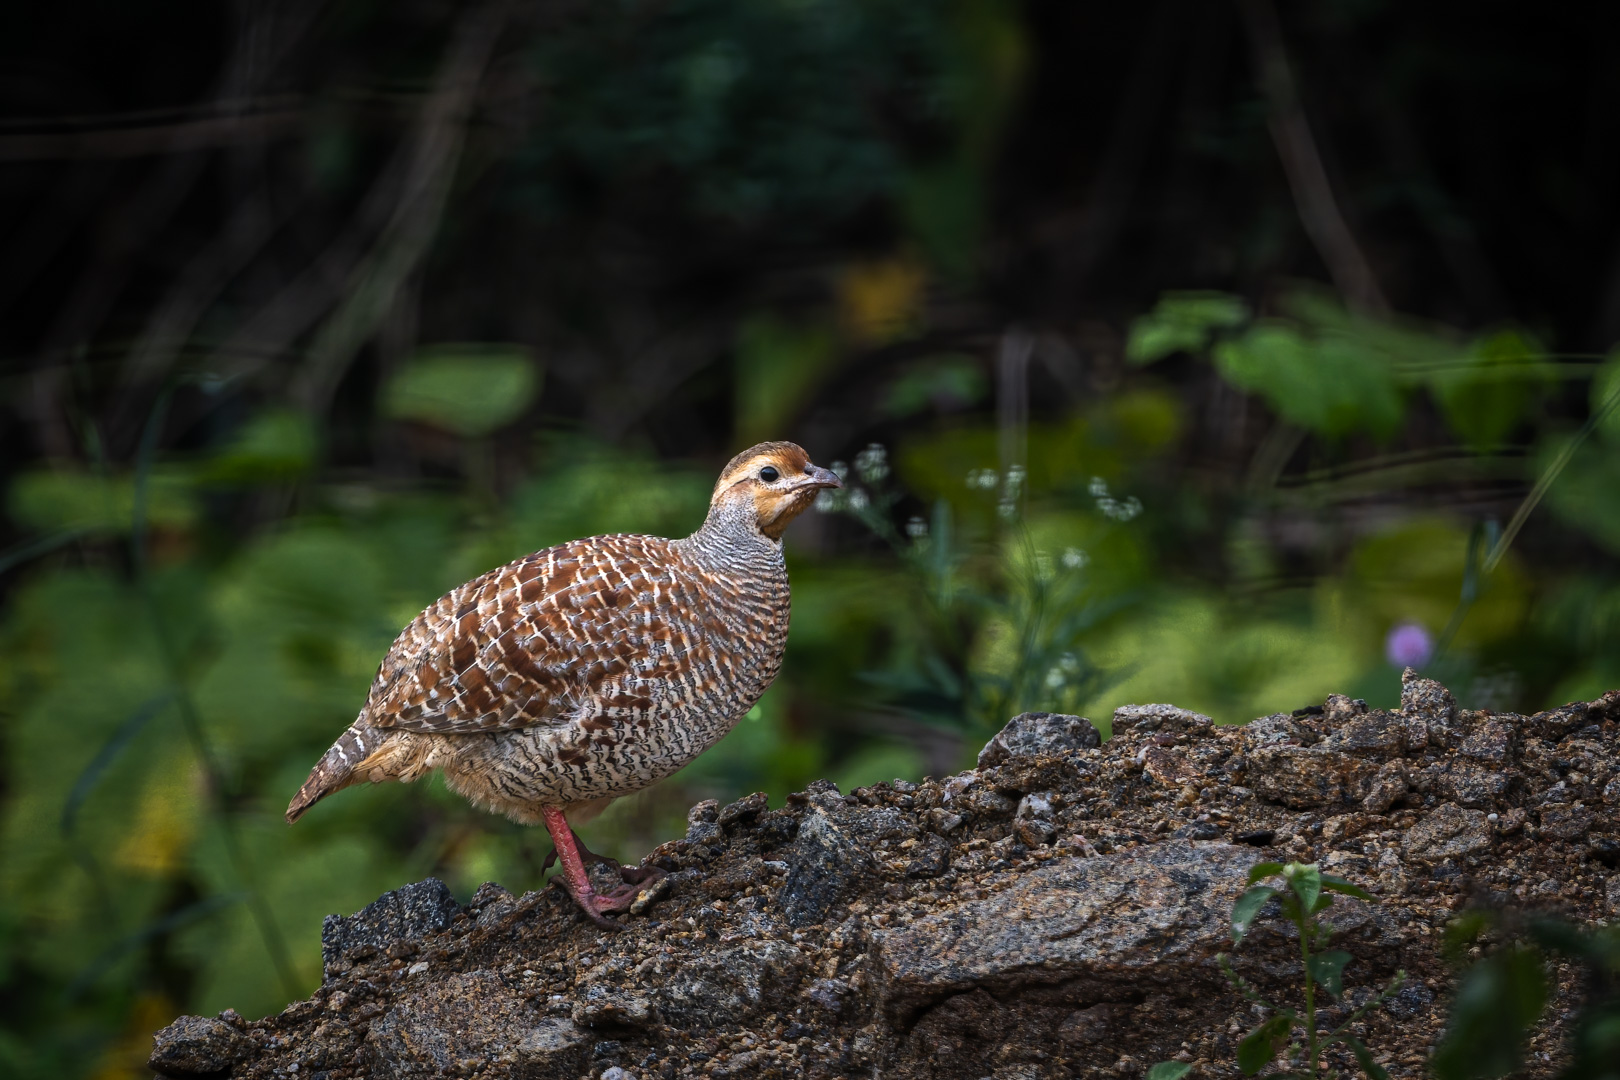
x: 1409, y: 645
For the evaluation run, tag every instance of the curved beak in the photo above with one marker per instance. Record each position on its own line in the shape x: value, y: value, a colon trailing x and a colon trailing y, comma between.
x: 817, y: 477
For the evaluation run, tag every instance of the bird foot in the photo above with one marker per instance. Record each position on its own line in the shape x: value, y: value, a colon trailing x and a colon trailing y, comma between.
x: 642, y: 876
x: 630, y: 875
x: 637, y: 879
x: 596, y: 904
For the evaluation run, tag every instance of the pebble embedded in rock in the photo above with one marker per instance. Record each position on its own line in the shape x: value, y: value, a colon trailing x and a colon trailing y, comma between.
x: 1448, y: 832
x: 1033, y: 733
x: 197, y: 1046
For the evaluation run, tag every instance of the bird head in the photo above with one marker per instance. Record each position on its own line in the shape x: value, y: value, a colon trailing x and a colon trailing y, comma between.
x: 775, y: 482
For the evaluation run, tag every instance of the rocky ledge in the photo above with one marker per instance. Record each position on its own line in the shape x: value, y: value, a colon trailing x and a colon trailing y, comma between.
x: 1054, y: 912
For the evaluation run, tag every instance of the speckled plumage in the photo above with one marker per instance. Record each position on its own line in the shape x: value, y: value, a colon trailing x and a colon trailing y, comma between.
x: 590, y: 670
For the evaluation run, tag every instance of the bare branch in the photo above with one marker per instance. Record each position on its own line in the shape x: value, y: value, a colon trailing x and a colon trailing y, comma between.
x: 433, y: 156
x: 1318, y: 209
x: 175, y: 138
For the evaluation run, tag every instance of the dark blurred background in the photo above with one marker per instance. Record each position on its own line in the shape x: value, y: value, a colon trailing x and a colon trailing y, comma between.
x: 1177, y: 351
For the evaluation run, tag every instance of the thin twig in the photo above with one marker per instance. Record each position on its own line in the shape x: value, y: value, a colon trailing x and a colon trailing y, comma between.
x: 170, y: 328
x: 165, y: 190
x: 264, y: 918
x: 1318, y: 208
x: 202, y: 134
x: 436, y: 150
x: 1532, y: 500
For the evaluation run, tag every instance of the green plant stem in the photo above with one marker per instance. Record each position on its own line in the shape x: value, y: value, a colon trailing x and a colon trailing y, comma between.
x: 1303, y: 922
x: 1546, y: 480
x: 190, y: 718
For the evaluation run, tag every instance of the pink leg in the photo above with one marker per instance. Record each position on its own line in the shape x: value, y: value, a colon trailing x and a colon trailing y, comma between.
x: 632, y: 875
x: 594, y: 904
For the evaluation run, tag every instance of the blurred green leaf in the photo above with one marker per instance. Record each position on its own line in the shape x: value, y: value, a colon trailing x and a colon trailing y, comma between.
x: 1328, y: 970
x: 1261, y: 1046
x: 943, y: 209
x: 276, y: 445
x: 469, y: 390
x: 1248, y: 908
x: 950, y: 381
x: 1183, y: 322
x: 1169, y: 1070
x: 1462, y: 931
x: 1306, y: 881
x: 1605, y: 398
x: 1365, y: 1059
x: 1497, y: 1001
x: 778, y: 365
x: 1496, y: 384
x: 64, y: 498
x: 1583, y: 495
x: 1414, y: 572
x: 1340, y: 885
x: 1332, y: 385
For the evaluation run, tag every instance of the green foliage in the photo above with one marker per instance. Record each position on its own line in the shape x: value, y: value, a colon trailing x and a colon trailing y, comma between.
x: 777, y: 367
x: 1496, y: 1004
x: 468, y: 390
x: 1183, y: 322
x: 1504, y: 993
x: 951, y: 380
x: 1328, y: 384
x: 1605, y: 398
x: 1336, y: 373
x: 276, y: 446
x: 1303, y: 896
x: 739, y: 112
x: 1497, y: 385
x: 996, y: 607
x: 65, y: 498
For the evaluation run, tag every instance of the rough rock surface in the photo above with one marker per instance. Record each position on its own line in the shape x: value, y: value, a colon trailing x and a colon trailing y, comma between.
x: 1053, y: 913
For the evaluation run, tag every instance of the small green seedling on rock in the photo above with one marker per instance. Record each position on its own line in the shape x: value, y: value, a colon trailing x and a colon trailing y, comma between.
x: 1304, y: 895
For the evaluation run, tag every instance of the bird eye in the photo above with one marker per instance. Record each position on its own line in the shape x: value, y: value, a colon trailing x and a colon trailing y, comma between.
x: 768, y: 474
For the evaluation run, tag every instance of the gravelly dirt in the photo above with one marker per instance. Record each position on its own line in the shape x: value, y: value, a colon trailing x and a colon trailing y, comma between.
x: 1054, y: 913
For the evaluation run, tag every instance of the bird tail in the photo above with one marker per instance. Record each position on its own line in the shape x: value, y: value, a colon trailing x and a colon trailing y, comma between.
x: 336, y: 769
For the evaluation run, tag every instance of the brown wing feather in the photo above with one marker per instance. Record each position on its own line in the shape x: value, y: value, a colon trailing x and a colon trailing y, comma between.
x: 538, y: 641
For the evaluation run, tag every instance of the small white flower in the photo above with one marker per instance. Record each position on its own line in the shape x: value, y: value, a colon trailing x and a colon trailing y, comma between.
x: 1074, y: 558
x: 872, y: 463
x: 916, y: 528
x: 858, y: 500
x: 829, y: 501
x: 983, y: 479
x: 1099, y: 488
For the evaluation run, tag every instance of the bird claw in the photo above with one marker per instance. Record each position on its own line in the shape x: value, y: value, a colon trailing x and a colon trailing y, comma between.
x: 636, y: 880
x: 642, y: 876
x: 576, y: 878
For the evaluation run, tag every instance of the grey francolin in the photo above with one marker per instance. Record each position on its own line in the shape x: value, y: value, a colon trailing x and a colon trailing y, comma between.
x: 553, y: 685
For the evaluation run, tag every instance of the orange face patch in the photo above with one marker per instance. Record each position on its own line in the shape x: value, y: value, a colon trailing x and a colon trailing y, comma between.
x: 789, y: 458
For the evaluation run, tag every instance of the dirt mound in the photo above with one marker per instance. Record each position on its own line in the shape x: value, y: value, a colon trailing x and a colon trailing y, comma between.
x: 1052, y: 913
